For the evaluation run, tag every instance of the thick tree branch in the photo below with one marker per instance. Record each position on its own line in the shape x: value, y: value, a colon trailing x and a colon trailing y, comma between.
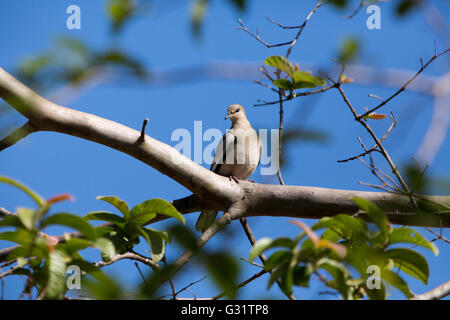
x: 211, y: 191
x: 436, y: 294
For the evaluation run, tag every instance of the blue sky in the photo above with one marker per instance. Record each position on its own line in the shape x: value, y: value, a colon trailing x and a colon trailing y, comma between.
x: 53, y: 163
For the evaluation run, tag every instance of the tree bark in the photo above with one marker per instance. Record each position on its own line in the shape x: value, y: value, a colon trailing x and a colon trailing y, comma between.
x: 210, y: 190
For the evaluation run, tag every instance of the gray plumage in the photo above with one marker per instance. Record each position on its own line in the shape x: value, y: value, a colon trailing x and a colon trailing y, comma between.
x: 237, y: 155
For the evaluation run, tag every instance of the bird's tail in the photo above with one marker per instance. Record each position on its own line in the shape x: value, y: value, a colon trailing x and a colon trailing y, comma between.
x: 205, y: 219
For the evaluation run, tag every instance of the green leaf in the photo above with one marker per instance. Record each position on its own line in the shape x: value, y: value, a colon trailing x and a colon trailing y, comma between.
x: 56, y: 285
x: 73, y: 245
x: 374, y: 293
x: 348, y: 49
x: 20, y: 236
x: 276, y: 274
x: 72, y: 221
x: 283, y: 84
x: 280, y: 63
x: 39, y: 249
x: 106, y: 247
x: 105, y: 216
x: 396, y: 281
x: 26, y: 216
x: 119, y: 59
x: 11, y: 221
x: 120, y: 11
x: 339, y: 273
x: 73, y: 45
x: 266, y: 243
x: 410, y: 262
x: 198, y: 12
x: 155, y: 240
x: 121, y: 205
x: 302, y: 274
x: 408, y: 235
x: 344, y: 225
x: 33, y: 195
x: 103, y: 287
x: 287, y: 279
x: 277, y: 258
x: 406, y: 6
x: 224, y: 271
x: 184, y: 236
x: 339, y: 3
x: 239, y: 4
x: 155, y: 206
x: 21, y: 271
x: 375, y: 214
x: 302, y: 79
x: 141, y: 218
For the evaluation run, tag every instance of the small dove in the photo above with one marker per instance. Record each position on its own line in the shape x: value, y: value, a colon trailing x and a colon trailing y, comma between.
x: 237, y: 155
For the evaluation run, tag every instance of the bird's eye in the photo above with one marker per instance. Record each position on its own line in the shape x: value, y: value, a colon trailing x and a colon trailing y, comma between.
x: 237, y: 110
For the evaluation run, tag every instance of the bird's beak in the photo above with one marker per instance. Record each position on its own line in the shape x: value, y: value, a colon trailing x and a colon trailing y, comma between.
x: 227, y: 116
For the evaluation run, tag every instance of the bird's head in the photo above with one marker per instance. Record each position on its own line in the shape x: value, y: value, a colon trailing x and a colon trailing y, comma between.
x: 235, y: 112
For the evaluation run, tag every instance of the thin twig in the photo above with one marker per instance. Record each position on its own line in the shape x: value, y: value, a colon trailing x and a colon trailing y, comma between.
x: 423, y: 67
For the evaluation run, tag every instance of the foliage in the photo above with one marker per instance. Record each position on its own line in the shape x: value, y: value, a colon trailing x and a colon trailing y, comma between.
x: 348, y: 251
x: 44, y: 259
x: 298, y: 79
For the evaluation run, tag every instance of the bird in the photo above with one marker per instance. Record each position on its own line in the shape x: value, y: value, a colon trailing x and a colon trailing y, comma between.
x: 237, y: 156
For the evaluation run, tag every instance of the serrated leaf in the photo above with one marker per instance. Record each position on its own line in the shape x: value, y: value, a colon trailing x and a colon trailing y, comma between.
x: 410, y: 262
x: 121, y: 205
x: 56, y: 285
x: 280, y: 63
x: 72, y: 221
x: 266, y: 243
x: 408, y: 235
x: 283, y: 84
x: 106, y: 247
x: 156, y: 206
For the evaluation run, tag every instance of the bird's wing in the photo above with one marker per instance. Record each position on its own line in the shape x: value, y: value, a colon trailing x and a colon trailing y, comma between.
x: 220, y: 155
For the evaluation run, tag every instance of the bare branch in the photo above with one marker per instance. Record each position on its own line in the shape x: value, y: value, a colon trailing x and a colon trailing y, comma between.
x: 423, y: 67
x: 130, y: 256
